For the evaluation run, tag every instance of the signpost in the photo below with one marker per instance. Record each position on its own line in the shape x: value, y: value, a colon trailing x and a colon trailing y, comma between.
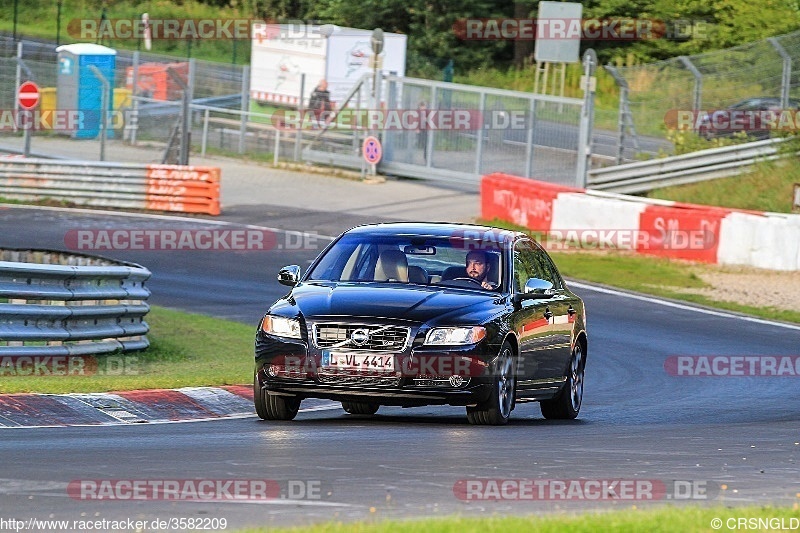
x: 27, y: 98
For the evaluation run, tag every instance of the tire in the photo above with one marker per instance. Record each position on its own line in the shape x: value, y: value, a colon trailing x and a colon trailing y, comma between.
x: 360, y: 408
x: 272, y: 406
x: 567, y: 404
x: 497, y: 409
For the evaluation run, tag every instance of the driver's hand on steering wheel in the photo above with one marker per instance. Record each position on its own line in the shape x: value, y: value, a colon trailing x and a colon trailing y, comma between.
x: 486, y: 285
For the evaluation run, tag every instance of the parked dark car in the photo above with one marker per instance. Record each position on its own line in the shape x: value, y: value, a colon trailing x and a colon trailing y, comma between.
x: 389, y: 315
x: 751, y: 116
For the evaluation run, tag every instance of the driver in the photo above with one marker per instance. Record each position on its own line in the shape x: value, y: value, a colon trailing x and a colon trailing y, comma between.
x: 478, y: 267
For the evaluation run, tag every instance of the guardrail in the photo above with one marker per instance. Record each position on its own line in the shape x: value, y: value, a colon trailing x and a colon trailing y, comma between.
x: 54, y: 303
x: 643, y: 176
x: 186, y: 189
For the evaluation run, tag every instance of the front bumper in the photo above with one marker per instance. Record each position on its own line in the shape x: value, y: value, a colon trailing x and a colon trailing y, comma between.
x: 421, y: 375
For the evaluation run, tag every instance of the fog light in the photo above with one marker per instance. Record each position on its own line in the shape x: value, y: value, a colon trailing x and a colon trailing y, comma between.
x: 456, y: 381
x: 272, y: 371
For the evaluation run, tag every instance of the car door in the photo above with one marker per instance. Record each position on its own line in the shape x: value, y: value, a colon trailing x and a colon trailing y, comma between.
x: 542, y: 325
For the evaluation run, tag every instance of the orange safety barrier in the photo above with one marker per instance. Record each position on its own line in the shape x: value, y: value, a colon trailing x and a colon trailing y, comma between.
x: 187, y: 189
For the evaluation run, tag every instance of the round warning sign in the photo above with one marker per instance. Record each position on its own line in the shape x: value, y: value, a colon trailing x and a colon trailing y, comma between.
x: 372, y: 150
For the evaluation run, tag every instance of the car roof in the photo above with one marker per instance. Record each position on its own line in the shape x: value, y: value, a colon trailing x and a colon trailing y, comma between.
x: 436, y: 229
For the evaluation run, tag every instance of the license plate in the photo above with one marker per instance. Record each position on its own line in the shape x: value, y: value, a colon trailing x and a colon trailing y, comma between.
x: 358, y: 362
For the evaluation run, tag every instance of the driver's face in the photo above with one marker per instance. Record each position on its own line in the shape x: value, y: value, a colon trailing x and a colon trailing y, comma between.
x: 476, y: 267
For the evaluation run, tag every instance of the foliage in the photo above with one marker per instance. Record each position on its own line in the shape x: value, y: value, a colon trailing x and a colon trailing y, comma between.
x: 690, y: 26
x: 686, y: 141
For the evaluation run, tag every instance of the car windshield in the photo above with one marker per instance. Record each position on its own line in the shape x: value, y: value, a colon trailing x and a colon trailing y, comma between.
x: 412, y: 259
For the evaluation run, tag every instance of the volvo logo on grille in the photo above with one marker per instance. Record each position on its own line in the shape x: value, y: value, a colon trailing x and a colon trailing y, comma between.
x: 359, y: 337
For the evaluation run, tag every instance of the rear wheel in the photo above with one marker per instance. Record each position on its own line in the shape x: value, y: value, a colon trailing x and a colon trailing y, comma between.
x: 497, y: 409
x: 360, y: 408
x: 567, y: 404
x: 272, y: 406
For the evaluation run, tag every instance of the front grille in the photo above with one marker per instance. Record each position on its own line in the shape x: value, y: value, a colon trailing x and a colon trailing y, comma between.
x: 380, y: 338
x: 372, y: 380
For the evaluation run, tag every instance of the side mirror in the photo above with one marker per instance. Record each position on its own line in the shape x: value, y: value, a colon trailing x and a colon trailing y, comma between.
x: 289, y: 275
x: 536, y: 289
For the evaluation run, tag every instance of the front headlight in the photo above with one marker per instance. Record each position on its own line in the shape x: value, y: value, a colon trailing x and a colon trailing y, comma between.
x: 281, y: 326
x: 454, y: 336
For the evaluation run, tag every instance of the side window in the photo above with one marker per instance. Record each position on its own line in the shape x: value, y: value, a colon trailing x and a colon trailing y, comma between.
x: 530, y: 262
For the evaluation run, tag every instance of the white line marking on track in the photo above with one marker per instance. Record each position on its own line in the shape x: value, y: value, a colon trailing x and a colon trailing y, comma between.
x: 667, y: 303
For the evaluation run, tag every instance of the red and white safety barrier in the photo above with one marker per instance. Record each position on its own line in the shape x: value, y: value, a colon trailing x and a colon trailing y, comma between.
x: 656, y: 227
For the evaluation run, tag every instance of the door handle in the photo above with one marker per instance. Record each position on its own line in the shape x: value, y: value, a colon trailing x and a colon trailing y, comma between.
x: 548, y: 314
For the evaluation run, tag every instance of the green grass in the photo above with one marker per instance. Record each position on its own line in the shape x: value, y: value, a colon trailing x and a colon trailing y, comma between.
x: 186, y: 350
x: 657, y: 276
x: 768, y: 188
x: 668, y: 519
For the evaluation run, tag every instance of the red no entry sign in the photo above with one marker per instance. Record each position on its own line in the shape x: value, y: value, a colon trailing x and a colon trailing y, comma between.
x: 28, y: 95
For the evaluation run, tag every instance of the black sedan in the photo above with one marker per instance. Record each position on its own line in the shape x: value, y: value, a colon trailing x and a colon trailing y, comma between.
x: 413, y: 314
x: 755, y: 117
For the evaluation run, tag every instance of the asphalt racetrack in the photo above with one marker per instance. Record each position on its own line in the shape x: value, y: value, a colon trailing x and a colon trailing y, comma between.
x: 703, y: 440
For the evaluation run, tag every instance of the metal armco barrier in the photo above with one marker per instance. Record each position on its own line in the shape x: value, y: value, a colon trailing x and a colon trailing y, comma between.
x: 644, y: 176
x: 54, y: 303
x: 186, y: 189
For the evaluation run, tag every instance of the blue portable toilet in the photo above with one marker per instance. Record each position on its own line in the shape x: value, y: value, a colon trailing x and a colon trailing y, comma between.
x: 79, y: 89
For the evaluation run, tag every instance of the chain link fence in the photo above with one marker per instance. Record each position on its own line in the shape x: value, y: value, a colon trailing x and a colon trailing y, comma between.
x: 709, y: 81
x: 506, y: 131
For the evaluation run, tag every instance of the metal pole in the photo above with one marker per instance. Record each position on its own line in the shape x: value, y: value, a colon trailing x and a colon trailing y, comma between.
x: 16, y: 3
x: 103, y: 109
x: 623, y: 96
x: 479, y: 134
x: 134, y: 125
x: 26, y: 149
x: 298, y: 135
x: 431, y: 131
x: 18, y: 80
x: 277, y: 147
x: 245, y: 107
x: 587, y: 115
x: 58, y: 22
x: 529, y: 139
x: 698, y: 81
x: 786, y: 77
x: 186, y: 114
x: 204, y: 140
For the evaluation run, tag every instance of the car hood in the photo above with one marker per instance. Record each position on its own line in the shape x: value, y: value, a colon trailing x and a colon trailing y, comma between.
x: 405, y: 302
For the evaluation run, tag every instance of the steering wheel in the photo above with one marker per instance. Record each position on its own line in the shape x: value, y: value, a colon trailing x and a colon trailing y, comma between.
x: 473, y: 280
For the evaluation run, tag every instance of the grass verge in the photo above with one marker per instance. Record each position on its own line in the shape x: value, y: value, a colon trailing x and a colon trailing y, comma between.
x: 186, y: 350
x: 768, y: 188
x: 667, y: 519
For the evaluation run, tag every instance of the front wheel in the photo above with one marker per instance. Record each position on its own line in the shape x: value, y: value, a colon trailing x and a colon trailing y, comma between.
x: 497, y: 409
x: 360, y: 408
x: 272, y: 406
x: 567, y: 404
